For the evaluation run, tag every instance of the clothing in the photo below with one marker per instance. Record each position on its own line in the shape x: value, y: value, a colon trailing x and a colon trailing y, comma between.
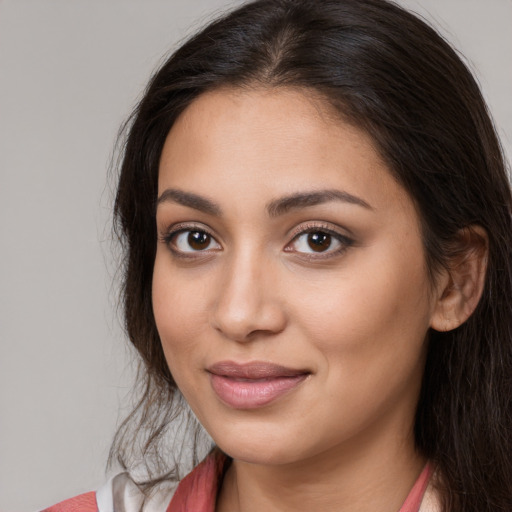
x: 197, y: 492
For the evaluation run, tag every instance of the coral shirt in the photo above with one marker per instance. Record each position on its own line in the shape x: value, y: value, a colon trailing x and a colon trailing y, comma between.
x: 197, y: 492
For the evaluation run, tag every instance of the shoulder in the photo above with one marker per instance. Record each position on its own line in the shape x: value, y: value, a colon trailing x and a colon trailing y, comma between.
x: 119, y: 494
x: 197, y: 491
x: 83, y: 503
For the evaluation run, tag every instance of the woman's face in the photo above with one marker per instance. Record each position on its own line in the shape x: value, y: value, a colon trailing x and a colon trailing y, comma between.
x: 290, y: 289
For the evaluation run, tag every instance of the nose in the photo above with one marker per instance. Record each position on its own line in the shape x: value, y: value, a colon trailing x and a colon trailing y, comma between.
x: 249, y: 302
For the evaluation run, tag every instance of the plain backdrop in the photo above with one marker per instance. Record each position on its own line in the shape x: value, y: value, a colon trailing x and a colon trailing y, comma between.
x: 70, y: 72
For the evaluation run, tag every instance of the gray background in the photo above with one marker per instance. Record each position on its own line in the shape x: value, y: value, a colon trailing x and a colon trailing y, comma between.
x: 70, y: 71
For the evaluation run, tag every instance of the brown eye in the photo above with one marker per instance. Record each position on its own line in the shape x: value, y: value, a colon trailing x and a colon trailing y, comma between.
x: 198, y: 240
x: 319, y: 241
x: 193, y: 240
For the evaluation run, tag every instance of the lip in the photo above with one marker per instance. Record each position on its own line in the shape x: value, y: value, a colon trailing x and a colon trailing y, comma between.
x: 254, y: 384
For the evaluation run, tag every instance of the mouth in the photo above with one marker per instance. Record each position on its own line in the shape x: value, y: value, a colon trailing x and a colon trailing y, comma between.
x: 253, y: 385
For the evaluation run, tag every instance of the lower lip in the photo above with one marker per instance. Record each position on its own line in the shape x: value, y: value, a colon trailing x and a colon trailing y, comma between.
x: 251, y: 394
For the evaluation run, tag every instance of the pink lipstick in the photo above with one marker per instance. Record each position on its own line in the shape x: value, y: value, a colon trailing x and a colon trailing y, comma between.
x: 253, y: 385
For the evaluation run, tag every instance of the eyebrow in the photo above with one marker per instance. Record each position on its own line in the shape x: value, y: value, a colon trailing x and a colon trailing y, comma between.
x: 190, y: 200
x: 304, y: 199
x: 275, y: 208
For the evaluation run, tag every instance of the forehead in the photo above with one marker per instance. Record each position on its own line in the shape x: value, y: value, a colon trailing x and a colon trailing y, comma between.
x: 273, y: 141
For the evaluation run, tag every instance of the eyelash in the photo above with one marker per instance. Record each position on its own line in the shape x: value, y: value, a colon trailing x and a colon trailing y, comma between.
x: 310, y: 228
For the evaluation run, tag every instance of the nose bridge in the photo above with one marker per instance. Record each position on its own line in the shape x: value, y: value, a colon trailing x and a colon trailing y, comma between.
x: 247, y: 302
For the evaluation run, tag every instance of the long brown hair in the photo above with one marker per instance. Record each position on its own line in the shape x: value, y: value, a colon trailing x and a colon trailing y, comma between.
x: 392, y: 75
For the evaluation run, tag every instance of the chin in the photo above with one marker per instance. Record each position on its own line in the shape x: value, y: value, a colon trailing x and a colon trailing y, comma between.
x: 268, y: 454
x: 266, y: 445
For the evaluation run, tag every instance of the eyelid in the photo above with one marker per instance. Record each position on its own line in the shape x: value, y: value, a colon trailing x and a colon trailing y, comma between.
x: 321, y: 225
x: 311, y: 226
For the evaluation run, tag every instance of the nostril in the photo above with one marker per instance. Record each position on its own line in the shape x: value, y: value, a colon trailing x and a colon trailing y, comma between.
x: 247, y: 303
x: 245, y: 322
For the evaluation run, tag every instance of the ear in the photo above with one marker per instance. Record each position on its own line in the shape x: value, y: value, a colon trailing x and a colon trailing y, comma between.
x: 461, y: 284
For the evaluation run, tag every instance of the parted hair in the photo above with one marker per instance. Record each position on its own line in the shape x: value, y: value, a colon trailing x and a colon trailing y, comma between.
x: 389, y: 73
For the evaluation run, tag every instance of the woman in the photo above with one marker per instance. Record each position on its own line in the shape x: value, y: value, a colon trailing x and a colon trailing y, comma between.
x: 317, y: 225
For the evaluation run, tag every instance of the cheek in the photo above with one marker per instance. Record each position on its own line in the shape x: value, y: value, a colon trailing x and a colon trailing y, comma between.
x: 369, y: 335
x: 370, y: 313
x: 176, y: 307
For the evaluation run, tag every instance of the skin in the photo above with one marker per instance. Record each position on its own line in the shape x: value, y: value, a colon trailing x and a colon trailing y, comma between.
x: 354, y: 314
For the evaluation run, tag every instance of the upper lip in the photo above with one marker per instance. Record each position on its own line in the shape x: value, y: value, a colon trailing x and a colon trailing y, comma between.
x: 253, y: 370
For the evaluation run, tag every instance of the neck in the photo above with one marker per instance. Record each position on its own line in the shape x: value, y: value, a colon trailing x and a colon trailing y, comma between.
x: 374, y: 472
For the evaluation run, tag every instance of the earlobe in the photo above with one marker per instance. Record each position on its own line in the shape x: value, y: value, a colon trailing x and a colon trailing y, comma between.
x: 461, y: 284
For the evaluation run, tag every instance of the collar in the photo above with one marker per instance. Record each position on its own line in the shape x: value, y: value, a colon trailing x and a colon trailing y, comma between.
x: 198, y: 490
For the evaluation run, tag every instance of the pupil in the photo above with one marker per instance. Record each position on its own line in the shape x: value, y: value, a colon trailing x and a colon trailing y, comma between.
x: 319, y: 241
x: 198, y: 240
